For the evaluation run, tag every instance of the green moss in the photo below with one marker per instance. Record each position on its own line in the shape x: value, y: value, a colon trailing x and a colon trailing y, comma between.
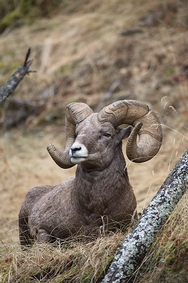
x: 2, y: 65
x: 24, y: 11
x: 10, y: 19
x: 169, y: 72
x: 170, y: 258
x: 69, y: 67
x: 7, y: 70
x: 87, y: 276
x: 175, y: 268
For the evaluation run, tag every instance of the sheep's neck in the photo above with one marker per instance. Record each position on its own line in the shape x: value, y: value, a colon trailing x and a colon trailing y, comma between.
x: 94, y: 175
x: 94, y: 190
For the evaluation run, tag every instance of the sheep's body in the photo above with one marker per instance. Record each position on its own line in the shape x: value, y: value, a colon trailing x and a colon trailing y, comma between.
x: 100, y: 195
x: 85, y: 204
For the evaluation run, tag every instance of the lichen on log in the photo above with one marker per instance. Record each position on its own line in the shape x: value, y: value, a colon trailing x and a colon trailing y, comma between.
x: 137, y: 243
x: 8, y: 88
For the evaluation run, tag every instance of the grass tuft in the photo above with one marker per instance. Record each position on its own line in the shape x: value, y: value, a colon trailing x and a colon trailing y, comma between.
x: 75, y: 261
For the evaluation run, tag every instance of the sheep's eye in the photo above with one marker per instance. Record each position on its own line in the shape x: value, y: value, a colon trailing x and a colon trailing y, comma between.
x: 106, y: 135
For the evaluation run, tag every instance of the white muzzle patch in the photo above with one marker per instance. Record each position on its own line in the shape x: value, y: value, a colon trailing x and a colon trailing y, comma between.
x: 78, y: 153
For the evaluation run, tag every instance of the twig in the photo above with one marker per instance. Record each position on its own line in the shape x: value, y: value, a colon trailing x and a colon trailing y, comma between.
x: 137, y: 243
x: 8, y: 88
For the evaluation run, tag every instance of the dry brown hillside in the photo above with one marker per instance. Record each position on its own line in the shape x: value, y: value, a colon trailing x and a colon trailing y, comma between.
x: 94, y: 52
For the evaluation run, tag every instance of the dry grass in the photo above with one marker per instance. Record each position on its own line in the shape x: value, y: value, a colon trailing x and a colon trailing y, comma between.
x: 82, y: 51
x: 167, y: 260
x: 75, y: 261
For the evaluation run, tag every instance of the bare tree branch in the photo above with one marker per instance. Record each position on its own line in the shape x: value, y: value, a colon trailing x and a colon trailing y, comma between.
x: 8, y: 88
x: 137, y: 243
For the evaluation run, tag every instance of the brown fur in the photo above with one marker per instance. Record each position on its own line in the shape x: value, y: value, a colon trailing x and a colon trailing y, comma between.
x: 100, y: 194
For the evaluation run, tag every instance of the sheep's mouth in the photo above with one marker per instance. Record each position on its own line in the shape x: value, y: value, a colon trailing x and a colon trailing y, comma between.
x: 78, y: 159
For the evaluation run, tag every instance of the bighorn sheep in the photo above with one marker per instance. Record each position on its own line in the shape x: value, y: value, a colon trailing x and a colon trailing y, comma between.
x: 100, y: 193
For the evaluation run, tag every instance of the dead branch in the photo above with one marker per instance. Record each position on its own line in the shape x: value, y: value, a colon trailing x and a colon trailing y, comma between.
x: 8, y: 88
x: 18, y: 111
x: 137, y: 243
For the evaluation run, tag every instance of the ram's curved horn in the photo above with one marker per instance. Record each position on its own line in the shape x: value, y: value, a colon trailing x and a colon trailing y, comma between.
x: 75, y: 113
x: 146, y: 126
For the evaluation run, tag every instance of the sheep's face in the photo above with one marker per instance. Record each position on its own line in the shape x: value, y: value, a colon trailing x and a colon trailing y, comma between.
x: 95, y: 142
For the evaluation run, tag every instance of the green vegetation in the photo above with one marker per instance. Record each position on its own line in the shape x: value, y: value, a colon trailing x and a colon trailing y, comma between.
x: 16, y: 13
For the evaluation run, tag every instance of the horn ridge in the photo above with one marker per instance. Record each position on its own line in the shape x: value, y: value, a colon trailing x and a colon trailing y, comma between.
x: 78, y: 112
x: 134, y: 112
x: 74, y: 114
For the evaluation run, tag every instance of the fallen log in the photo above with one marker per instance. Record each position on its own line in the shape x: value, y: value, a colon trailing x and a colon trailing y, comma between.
x: 8, y: 88
x: 135, y: 246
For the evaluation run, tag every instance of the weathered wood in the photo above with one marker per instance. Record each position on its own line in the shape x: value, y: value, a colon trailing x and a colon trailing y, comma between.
x: 8, y: 88
x: 136, y: 244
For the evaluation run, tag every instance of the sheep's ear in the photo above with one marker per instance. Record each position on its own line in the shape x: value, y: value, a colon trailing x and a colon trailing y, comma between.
x: 124, y: 133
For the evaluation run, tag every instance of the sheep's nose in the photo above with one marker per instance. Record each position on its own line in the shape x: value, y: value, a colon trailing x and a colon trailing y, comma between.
x: 75, y: 149
x: 78, y: 152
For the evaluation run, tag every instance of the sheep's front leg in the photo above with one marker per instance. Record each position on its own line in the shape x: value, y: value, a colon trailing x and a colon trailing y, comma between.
x: 43, y: 236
